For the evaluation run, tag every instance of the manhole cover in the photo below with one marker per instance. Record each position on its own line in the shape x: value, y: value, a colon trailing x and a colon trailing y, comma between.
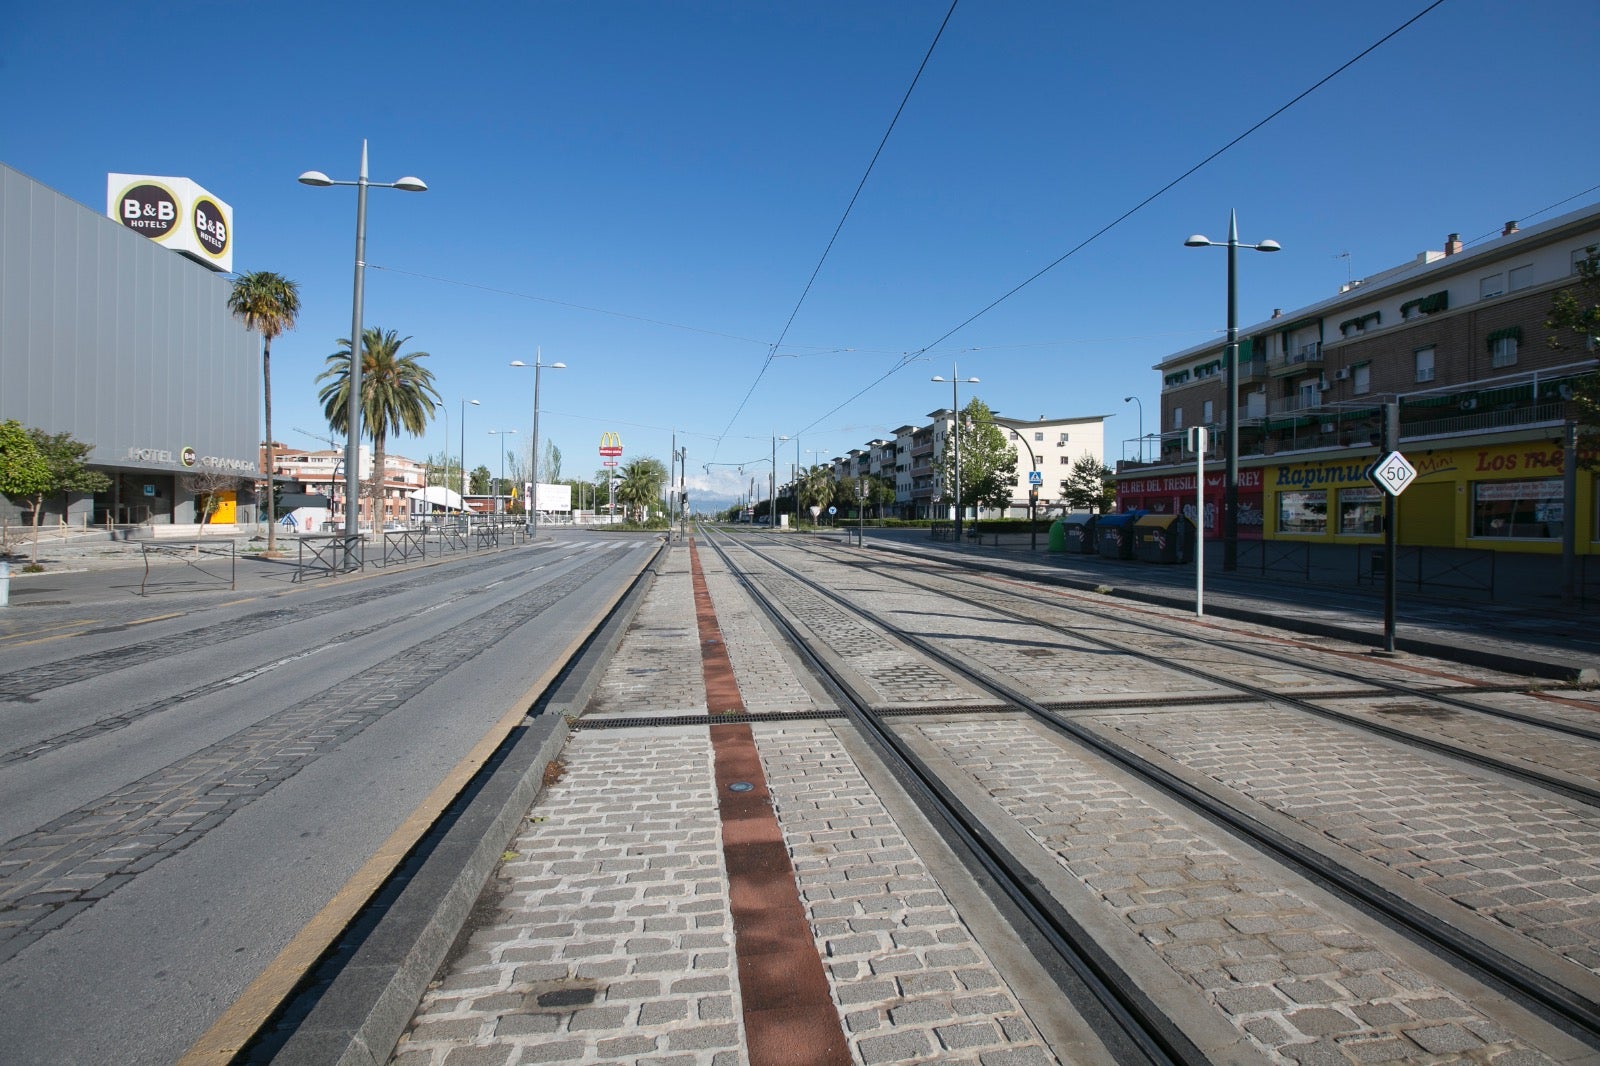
x: 741, y: 786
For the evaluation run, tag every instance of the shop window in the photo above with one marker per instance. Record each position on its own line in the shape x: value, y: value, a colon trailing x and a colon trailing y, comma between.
x: 1361, y: 378
x: 1360, y: 511
x: 1303, y: 512
x: 1424, y: 363
x: 1527, y: 510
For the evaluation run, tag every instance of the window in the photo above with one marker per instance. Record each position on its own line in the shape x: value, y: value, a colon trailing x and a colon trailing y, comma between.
x: 1177, y: 418
x: 1063, y: 439
x: 1208, y: 412
x: 1303, y: 512
x: 1066, y: 461
x: 1523, y: 509
x: 1503, y: 351
x: 1360, y: 511
x: 1361, y: 378
x: 1424, y: 363
x: 1521, y: 277
x: 1579, y: 255
x: 1039, y: 437
x: 1493, y: 285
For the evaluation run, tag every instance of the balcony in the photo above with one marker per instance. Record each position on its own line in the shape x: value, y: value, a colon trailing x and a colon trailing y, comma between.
x: 1305, y: 357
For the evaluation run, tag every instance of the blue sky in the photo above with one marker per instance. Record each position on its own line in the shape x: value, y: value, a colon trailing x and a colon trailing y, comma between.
x: 643, y: 190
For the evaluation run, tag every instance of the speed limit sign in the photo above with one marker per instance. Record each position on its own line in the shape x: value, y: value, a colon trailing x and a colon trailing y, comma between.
x: 1392, y: 473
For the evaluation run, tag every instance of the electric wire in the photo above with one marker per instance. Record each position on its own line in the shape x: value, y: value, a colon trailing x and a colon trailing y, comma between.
x: 773, y: 349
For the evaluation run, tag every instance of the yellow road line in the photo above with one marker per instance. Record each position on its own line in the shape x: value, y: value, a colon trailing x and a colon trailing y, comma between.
x: 234, y: 1028
x: 39, y: 634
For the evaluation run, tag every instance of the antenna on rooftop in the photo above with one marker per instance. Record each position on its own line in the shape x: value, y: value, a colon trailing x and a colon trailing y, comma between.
x: 1348, y: 276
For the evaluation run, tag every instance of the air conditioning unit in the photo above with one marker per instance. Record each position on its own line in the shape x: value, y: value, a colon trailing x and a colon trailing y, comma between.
x: 1342, y: 374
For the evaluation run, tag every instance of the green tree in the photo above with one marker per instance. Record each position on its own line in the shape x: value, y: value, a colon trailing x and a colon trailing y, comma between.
x: 642, y: 482
x: 1574, y: 325
x: 1089, y: 486
x: 24, y: 475
x: 58, y: 457
x: 269, y: 304
x: 988, y: 464
x: 816, y: 488
x: 481, y: 481
x: 397, y: 395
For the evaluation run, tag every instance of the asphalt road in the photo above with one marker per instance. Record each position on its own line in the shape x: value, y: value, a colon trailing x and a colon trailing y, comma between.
x: 181, y: 795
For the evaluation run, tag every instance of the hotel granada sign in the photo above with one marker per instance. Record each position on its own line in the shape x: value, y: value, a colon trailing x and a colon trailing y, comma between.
x: 189, y: 459
x: 175, y: 212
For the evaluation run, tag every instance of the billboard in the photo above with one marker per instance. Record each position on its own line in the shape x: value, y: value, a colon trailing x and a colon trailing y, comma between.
x: 174, y: 212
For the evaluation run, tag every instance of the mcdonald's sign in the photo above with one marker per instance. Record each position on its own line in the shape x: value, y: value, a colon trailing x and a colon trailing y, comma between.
x: 610, y: 445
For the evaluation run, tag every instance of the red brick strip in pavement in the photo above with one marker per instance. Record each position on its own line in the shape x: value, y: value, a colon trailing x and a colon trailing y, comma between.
x: 789, y: 1016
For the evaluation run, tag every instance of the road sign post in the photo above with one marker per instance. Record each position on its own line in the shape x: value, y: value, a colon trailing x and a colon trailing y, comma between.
x: 1393, y: 475
x: 1199, y: 438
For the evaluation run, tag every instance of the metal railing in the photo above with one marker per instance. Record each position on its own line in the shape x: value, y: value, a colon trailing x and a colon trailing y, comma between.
x: 329, y: 553
x: 1435, y: 570
x: 190, y: 553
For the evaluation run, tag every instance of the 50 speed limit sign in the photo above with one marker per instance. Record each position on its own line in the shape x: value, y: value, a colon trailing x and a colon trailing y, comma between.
x: 1392, y: 473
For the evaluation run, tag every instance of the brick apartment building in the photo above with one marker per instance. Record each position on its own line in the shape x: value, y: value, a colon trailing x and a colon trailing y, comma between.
x: 1457, y: 340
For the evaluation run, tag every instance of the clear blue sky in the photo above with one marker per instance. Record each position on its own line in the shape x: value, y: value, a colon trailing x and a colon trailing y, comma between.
x: 642, y: 190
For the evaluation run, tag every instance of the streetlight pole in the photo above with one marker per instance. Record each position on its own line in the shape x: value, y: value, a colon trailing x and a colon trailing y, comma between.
x: 1230, y: 477
x: 1136, y: 400
x: 533, y: 504
x: 352, y: 463
x: 500, y: 486
x: 955, y: 434
x: 464, y: 402
x: 772, y: 485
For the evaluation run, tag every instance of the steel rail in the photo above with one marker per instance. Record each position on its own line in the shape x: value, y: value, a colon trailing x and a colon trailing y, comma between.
x: 1488, y: 964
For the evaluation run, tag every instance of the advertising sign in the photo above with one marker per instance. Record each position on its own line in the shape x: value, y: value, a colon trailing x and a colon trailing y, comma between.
x: 610, y: 445
x: 175, y: 212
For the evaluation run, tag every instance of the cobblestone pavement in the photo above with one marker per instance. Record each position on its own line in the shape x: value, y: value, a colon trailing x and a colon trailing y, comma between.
x: 612, y: 940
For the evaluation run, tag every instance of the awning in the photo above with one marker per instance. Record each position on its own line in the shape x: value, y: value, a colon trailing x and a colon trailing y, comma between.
x: 437, y: 496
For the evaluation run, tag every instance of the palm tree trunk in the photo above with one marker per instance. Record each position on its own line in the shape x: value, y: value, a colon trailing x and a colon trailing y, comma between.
x: 272, y: 464
x: 380, y: 460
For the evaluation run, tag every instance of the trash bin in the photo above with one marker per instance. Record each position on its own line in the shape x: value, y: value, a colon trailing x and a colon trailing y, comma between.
x: 1058, y: 536
x: 1078, y: 530
x: 1113, y: 534
x: 1163, y: 538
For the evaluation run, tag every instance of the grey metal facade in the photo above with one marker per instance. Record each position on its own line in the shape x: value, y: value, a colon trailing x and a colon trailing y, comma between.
x: 125, y: 344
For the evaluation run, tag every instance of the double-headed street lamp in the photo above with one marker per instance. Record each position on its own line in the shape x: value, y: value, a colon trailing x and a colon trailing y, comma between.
x: 1135, y: 399
x: 533, y: 502
x: 464, y: 485
x: 1230, y: 476
x: 955, y: 380
x: 352, y: 462
x: 500, y: 486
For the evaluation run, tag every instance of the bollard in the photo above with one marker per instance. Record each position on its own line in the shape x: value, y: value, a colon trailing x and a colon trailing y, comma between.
x: 5, y: 583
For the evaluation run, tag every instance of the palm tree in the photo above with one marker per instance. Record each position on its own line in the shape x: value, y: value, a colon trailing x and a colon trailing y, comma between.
x: 397, y: 395
x: 268, y: 303
x: 816, y: 487
x: 641, y: 484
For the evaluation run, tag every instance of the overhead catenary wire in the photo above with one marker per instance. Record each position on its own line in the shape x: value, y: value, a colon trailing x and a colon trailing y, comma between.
x: 911, y: 357
x: 772, y: 350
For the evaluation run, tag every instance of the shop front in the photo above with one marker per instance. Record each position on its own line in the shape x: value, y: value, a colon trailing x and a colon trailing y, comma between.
x: 1173, y: 494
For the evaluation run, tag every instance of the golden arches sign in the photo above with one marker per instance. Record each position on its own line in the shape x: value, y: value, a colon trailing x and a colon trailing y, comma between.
x: 610, y: 445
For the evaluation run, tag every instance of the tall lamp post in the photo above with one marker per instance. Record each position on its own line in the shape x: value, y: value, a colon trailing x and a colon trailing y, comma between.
x: 955, y: 380
x: 352, y: 463
x: 1136, y: 400
x: 500, y: 486
x: 533, y: 504
x: 464, y: 485
x: 772, y: 485
x: 1230, y: 476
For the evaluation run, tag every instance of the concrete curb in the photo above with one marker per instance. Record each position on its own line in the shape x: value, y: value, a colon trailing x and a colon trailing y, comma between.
x: 404, y: 935
x: 365, y: 1009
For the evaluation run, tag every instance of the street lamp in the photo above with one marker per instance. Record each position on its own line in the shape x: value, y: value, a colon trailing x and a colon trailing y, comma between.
x: 464, y: 485
x: 955, y: 380
x: 500, y: 486
x: 1136, y: 400
x: 352, y: 463
x: 1230, y: 476
x: 772, y: 485
x: 533, y: 504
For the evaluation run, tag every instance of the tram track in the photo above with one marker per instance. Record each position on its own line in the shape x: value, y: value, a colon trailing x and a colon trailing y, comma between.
x: 1491, y: 955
